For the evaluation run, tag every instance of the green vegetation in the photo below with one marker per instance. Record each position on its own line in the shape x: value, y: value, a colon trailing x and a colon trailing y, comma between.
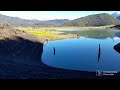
x: 91, y: 20
x: 66, y: 28
x: 52, y: 34
x: 47, y: 33
x: 94, y: 20
x: 94, y: 33
x: 15, y: 21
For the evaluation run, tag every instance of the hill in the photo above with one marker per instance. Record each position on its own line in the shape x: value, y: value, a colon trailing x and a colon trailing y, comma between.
x: 15, y: 21
x: 116, y: 14
x: 20, y: 58
x: 118, y: 17
x: 56, y: 21
x: 94, y: 20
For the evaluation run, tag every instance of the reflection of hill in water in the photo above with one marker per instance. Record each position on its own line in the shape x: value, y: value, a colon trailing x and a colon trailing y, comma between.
x: 118, y: 34
x: 117, y: 47
x: 97, y: 34
x: 115, y: 36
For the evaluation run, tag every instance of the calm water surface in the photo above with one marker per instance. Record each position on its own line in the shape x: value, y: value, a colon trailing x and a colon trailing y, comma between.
x: 82, y: 54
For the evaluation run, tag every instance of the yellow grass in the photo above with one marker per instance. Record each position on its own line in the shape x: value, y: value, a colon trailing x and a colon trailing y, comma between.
x: 46, y: 32
x: 51, y: 34
x: 66, y: 28
x: 4, y: 36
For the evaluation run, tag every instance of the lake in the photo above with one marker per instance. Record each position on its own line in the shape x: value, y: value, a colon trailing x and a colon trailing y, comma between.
x: 84, y: 54
x: 98, y: 34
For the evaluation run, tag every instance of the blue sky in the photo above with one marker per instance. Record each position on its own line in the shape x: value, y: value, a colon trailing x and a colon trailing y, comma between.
x: 49, y: 15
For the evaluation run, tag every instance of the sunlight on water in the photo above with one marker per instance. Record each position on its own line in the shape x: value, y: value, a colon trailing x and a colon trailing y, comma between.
x: 82, y: 54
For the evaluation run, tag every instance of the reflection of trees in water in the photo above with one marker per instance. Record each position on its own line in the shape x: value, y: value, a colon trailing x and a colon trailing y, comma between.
x: 117, y: 34
x: 117, y: 46
x: 99, y: 53
x: 54, y: 50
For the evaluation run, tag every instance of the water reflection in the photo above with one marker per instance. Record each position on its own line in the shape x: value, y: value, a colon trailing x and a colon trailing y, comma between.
x: 99, y: 34
x: 99, y: 52
x: 78, y: 36
x: 54, y: 50
x: 116, y: 37
x: 117, y: 34
x: 46, y: 41
x: 117, y: 48
x: 84, y: 54
x: 45, y: 44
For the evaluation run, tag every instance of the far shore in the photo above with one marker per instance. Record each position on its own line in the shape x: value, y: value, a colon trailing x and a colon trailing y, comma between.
x: 70, y: 27
x: 51, y: 34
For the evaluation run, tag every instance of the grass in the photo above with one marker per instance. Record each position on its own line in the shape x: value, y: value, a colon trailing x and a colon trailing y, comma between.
x: 51, y: 34
x: 48, y: 33
x: 78, y: 28
x: 67, y: 28
x: 4, y: 36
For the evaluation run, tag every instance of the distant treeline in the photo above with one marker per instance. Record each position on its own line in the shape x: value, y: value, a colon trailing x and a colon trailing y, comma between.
x: 94, y: 20
x: 102, y: 19
x: 15, y: 21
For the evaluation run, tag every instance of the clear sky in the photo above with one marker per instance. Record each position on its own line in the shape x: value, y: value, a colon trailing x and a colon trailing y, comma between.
x: 49, y: 15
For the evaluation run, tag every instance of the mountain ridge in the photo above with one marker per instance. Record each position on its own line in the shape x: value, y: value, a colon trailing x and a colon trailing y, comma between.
x: 16, y: 21
x: 90, y: 20
x: 115, y: 15
x: 94, y: 20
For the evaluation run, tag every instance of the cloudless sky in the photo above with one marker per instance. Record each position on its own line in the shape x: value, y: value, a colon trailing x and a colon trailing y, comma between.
x: 49, y: 15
